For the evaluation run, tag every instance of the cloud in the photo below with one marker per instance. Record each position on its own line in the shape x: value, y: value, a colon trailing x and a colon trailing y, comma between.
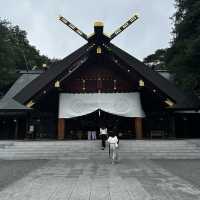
x: 52, y: 38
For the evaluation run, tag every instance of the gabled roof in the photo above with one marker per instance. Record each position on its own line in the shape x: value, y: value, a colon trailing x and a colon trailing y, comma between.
x: 7, y: 102
x: 19, y: 84
x: 183, y: 100
x: 11, y: 104
x: 54, y: 72
x: 61, y: 68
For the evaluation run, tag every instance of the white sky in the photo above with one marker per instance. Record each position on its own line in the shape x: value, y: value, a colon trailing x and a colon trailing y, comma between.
x: 39, y: 19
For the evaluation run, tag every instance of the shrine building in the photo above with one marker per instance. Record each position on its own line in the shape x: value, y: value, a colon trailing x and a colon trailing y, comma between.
x: 98, y: 84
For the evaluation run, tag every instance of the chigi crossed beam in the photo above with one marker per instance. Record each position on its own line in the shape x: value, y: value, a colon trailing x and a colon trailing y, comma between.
x: 124, y: 26
x: 112, y: 36
x: 74, y: 28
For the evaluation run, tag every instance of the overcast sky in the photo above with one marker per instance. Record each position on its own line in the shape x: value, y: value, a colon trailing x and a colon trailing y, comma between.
x: 54, y: 39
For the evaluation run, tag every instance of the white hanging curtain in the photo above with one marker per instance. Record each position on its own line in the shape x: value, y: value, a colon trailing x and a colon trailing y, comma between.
x: 122, y: 104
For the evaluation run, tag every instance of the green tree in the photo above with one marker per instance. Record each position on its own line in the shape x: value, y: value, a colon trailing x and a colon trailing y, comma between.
x: 16, y: 53
x: 183, y: 58
x: 6, y: 64
x: 156, y: 60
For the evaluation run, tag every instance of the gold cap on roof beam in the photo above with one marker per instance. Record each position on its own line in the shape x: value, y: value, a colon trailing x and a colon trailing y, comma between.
x: 169, y: 102
x: 141, y: 83
x: 57, y: 84
x: 30, y: 104
x: 98, y: 23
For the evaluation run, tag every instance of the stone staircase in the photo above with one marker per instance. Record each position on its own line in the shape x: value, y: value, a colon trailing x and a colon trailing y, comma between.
x: 129, y: 149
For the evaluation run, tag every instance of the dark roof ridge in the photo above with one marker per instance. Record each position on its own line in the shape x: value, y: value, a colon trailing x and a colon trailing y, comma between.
x: 49, y: 75
x: 155, y: 78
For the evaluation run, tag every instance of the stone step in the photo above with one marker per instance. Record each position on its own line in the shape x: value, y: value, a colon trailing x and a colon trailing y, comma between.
x: 138, y: 142
x: 97, y: 150
x: 98, y: 146
x: 22, y: 157
x: 131, y: 149
x: 96, y: 143
x: 130, y: 154
x: 91, y: 146
x: 83, y: 143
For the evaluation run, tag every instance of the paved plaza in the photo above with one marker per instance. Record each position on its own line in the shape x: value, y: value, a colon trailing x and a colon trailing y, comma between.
x: 96, y: 179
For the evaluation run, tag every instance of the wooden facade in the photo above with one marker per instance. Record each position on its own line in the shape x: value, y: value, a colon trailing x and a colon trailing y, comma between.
x: 97, y: 67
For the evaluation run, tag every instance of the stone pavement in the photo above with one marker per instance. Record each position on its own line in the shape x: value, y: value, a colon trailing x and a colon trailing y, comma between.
x: 98, y: 179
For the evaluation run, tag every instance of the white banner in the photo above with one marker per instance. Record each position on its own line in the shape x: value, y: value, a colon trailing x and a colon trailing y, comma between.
x: 122, y: 104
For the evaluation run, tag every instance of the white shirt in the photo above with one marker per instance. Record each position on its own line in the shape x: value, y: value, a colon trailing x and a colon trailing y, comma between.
x: 103, y: 131
x: 112, y: 140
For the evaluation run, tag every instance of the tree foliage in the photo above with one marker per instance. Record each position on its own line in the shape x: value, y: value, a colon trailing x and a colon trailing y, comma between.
x: 157, y: 60
x: 16, y: 53
x: 183, y: 58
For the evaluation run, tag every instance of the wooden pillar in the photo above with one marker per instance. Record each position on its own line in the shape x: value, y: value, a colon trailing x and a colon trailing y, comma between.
x: 61, y: 129
x: 16, y: 128
x: 27, y: 129
x: 172, y: 129
x: 138, y: 128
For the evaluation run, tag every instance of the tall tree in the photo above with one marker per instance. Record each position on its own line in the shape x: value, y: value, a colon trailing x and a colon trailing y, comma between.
x: 16, y: 53
x: 156, y: 60
x: 6, y: 64
x: 183, y: 58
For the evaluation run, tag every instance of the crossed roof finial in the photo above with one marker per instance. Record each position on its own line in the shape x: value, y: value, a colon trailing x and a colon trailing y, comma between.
x: 112, y: 36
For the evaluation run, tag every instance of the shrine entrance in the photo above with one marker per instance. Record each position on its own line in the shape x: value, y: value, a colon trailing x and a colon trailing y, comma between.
x: 77, y: 128
x: 80, y: 113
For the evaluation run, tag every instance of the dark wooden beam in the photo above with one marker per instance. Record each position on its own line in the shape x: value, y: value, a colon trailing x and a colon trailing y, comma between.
x: 61, y: 129
x: 138, y: 128
x: 124, y: 26
x: 73, y: 27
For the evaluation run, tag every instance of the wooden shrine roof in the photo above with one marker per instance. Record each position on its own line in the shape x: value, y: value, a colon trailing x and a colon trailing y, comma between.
x: 62, y: 68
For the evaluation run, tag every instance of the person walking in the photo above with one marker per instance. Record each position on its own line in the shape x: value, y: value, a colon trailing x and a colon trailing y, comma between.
x: 113, y: 146
x: 94, y: 135
x: 103, y: 135
x: 89, y: 135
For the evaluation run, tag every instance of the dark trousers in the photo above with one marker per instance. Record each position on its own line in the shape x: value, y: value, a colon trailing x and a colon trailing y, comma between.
x: 103, y: 140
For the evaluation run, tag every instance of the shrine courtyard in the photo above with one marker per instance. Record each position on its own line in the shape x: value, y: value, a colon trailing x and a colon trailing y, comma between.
x: 93, y: 179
